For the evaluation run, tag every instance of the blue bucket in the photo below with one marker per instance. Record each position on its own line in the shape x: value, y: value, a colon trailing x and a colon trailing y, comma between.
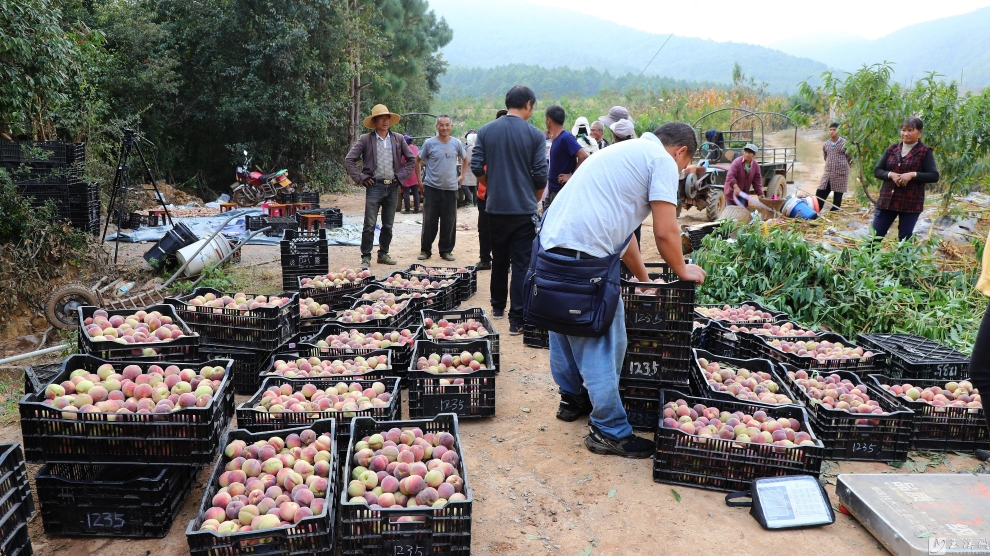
x: 798, y: 208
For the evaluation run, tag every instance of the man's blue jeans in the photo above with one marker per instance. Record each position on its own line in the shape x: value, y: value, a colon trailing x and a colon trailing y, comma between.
x: 594, y: 364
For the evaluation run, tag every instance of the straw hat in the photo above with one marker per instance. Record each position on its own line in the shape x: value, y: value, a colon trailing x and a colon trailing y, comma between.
x: 380, y: 110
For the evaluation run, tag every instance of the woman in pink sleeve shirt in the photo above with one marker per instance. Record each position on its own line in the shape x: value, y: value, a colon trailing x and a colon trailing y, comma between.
x: 743, y: 175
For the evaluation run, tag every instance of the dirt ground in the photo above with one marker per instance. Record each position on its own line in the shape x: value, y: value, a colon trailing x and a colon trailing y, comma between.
x: 537, y: 490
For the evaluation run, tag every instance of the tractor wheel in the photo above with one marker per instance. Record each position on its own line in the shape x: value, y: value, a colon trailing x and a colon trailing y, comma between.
x: 61, y: 308
x: 716, y: 204
x: 776, y: 185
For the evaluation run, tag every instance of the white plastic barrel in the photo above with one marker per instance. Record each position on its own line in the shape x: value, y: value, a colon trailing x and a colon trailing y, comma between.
x: 208, y: 257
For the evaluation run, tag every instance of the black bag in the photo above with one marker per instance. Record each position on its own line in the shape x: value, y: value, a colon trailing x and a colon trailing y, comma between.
x: 576, y: 297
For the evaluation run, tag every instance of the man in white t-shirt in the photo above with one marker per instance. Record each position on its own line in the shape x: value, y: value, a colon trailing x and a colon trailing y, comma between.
x: 593, y: 217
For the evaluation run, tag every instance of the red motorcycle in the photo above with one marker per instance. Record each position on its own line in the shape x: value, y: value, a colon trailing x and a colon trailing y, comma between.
x: 253, y: 187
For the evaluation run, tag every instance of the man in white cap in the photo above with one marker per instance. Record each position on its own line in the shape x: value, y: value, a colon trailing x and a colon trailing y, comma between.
x: 387, y: 161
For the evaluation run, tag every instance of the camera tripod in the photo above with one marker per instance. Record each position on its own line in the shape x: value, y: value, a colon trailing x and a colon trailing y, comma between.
x: 121, y: 185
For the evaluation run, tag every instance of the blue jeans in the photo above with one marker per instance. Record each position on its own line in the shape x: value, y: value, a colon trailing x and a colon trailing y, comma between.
x: 595, y: 362
x: 378, y: 195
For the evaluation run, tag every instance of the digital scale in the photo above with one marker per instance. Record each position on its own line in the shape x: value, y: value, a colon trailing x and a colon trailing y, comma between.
x: 921, y: 514
x: 786, y: 502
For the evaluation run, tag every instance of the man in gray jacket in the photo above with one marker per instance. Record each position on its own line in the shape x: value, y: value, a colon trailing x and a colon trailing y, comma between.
x: 387, y: 161
x: 514, y: 153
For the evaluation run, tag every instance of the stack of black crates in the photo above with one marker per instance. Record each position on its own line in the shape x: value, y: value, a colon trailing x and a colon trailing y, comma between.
x: 119, y: 475
x: 304, y: 255
x: 659, y: 320
x: 16, y: 504
x: 52, y: 171
x: 248, y: 337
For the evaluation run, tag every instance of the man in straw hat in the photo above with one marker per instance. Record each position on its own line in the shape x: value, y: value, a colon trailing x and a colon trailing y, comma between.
x: 387, y: 161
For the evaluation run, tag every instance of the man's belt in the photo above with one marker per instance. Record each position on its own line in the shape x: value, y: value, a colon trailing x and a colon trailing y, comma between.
x: 386, y: 182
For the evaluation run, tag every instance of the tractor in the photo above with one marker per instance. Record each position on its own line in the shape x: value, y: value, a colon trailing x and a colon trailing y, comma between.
x: 718, y: 148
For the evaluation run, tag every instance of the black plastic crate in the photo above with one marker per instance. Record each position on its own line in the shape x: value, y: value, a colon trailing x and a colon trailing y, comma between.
x: 16, y: 503
x: 247, y: 364
x: 264, y: 328
x: 775, y: 316
x: 661, y: 358
x: 536, y: 337
x: 697, y: 233
x: 670, y: 308
x: 888, y: 439
x: 332, y: 217
x: 254, y: 223
x: 334, y: 297
x: 312, y: 198
x: 443, y: 299
x: 863, y: 365
x: 940, y: 428
x: 10, y: 152
x: 310, y: 325
x: 312, y: 536
x: 295, y: 242
x: 701, y: 387
x: 398, y: 320
x: 268, y: 370
x: 437, y: 300
x: 698, y: 332
x: 728, y: 465
x: 457, y: 317
x: 468, y: 285
x: 641, y: 400
x: 188, y: 436
x: 112, y: 500
x: 256, y: 420
x: 18, y: 542
x: 278, y: 224
x: 918, y: 357
x: 721, y: 341
x: 401, y: 353
x: 84, y: 192
x: 185, y: 348
x: 473, y: 399
x: 38, y: 377
x: 445, y: 530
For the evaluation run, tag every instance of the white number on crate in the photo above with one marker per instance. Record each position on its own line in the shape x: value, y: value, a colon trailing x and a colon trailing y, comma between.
x: 407, y: 550
x: 865, y: 448
x: 644, y: 368
x: 452, y: 405
x: 104, y: 520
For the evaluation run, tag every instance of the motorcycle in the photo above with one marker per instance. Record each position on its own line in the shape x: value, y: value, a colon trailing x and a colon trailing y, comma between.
x: 253, y: 187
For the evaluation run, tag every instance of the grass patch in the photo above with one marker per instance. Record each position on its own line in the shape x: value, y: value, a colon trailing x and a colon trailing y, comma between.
x: 11, y: 392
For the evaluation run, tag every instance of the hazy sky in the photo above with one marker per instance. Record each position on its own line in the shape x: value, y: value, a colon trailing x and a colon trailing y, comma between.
x: 767, y: 21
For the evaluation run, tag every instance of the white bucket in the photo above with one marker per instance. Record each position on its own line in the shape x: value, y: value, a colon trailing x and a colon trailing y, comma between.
x: 208, y: 257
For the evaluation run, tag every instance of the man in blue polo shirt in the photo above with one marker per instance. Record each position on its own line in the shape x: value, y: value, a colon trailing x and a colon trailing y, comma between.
x: 566, y: 154
x: 593, y: 217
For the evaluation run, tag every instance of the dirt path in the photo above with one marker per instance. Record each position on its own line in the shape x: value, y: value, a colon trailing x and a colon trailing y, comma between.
x: 537, y: 489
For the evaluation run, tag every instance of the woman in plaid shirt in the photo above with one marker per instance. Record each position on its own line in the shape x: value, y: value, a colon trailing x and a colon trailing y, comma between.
x: 905, y: 168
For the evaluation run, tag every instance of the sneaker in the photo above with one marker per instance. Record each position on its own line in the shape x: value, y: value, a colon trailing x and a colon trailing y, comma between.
x: 498, y: 313
x: 515, y: 330
x: 631, y: 446
x: 447, y: 256
x: 834, y: 209
x: 366, y: 262
x: 416, y: 211
x: 383, y: 258
x: 483, y: 265
x: 423, y: 255
x: 572, y: 407
x: 406, y: 211
x: 983, y: 455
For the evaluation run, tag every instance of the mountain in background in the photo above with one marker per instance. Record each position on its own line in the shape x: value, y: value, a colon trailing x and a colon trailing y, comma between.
x: 490, y: 33
x: 950, y: 46
x: 460, y: 81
